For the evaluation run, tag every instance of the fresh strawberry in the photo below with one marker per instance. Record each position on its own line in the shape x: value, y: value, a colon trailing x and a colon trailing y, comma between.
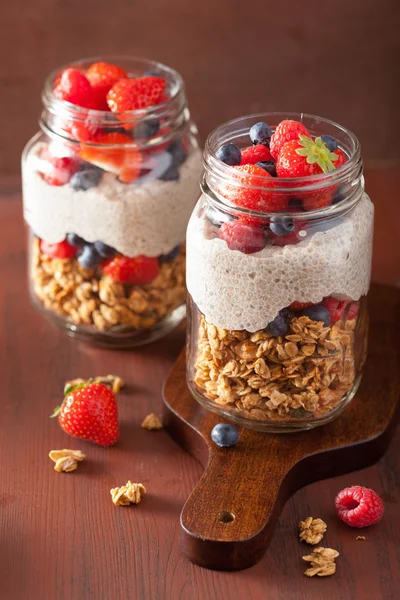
x: 119, y: 155
x: 254, y: 198
x: 285, y: 132
x: 60, y: 250
x: 102, y: 77
x: 89, y: 412
x: 299, y: 305
x: 291, y: 164
x: 243, y: 236
x: 57, y: 171
x: 255, y: 154
x: 134, y: 94
x: 342, y: 158
x: 74, y: 87
x: 139, y: 270
x: 340, y: 308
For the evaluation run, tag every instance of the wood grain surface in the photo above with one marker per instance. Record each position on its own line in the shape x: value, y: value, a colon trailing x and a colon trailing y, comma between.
x: 61, y: 538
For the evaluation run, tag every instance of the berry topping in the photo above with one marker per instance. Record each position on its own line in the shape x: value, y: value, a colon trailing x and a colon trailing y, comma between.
x: 147, y: 129
x: 88, y: 256
x: 86, y: 178
x: 341, y: 158
x: 163, y: 258
x: 104, y: 74
x: 74, y: 87
x: 359, y: 506
x: 255, y: 154
x: 269, y: 166
x: 229, y: 154
x: 286, y: 131
x: 75, y: 240
x: 282, y: 226
x: 60, y: 250
x: 89, y: 412
x: 137, y: 271
x: 57, y: 171
x: 330, y: 142
x: 303, y: 157
x: 224, y: 435
x: 134, y: 94
x: 243, y: 236
x: 104, y: 250
x: 254, y: 198
x: 261, y: 133
x: 177, y: 151
x: 280, y: 325
x: 339, y: 309
x: 171, y: 174
x: 119, y: 155
x: 317, y: 312
x: 299, y: 305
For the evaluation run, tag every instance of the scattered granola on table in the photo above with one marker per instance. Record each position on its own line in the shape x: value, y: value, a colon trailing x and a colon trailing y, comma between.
x: 130, y: 493
x: 66, y: 460
x: 322, y: 562
x: 113, y: 382
x: 312, y: 530
x: 152, y: 423
x: 361, y: 537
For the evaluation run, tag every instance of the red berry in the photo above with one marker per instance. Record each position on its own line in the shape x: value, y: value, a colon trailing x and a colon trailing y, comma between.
x: 114, y: 152
x: 359, y: 506
x: 285, y: 132
x: 139, y: 270
x: 255, y: 154
x: 299, y: 305
x: 60, y: 250
x: 243, y: 236
x: 254, y: 198
x: 133, y: 94
x: 90, y: 412
x: 291, y: 164
x: 337, y: 308
x: 342, y: 158
x: 74, y: 87
x: 102, y: 77
x: 57, y: 171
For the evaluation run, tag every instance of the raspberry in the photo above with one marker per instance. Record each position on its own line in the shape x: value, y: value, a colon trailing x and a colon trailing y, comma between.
x: 285, y: 132
x: 359, y: 506
x: 337, y: 308
x: 61, y: 250
x: 74, y: 87
x: 243, y: 236
x: 133, y: 94
x: 255, y: 154
x: 136, y: 271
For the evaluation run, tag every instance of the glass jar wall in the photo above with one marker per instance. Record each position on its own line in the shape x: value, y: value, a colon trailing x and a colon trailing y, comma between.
x: 107, y: 198
x: 278, y: 324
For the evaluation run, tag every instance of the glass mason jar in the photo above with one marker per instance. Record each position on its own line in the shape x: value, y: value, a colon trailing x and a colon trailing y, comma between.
x: 277, y: 317
x: 101, y: 189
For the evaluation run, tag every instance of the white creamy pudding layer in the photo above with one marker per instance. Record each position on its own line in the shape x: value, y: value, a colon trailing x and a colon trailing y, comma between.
x: 147, y: 217
x: 246, y: 291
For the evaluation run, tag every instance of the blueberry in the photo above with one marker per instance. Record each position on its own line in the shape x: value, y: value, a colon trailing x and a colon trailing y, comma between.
x: 340, y: 194
x: 281, y: 225
x: 163, y: 258
x: 229, y: 154
x: 86, y: 179
x: 296, y: 203
x: 330, y: 142
x: 177, y: 152
x: 224, y: 435
x: 104, y: 250
x: 75, y: 240
x: 317, y: 312
x: 269, y: 166
x: 88, y: 256
x: 261, y: 133
x: 152, y: 73
x: 171, y: 174
x: 280, y: 325
x: 147, y: 129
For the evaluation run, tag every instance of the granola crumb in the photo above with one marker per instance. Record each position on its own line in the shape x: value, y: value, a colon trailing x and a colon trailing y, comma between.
x: 361, y: 537
x: 113, y: 382
x: 152, y: 423
x: 312, y: 530
x: 322, y: 562
x: 130, y: 493
x: 66, y: 460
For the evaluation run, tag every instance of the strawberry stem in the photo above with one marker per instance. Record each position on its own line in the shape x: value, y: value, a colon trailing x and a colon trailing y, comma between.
x: 317, y: 151
x: 56, y: 412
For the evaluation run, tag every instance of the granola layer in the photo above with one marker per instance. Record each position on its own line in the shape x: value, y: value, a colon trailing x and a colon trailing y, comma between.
x: 84, y: 297
x: 302, y: 375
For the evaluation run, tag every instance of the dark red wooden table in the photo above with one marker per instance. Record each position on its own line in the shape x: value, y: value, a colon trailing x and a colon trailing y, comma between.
x: 61, y: 538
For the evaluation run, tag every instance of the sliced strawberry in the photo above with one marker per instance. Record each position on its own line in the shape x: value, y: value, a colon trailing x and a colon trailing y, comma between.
x: 299, y: 305
x: 337, y: 308
x: 243, y: 236
x: 134, y: 94
x: 120, y: 155
x: 255, y: 154
x: 74, y: 87
x: 60, y: 250
x: 139, y: 270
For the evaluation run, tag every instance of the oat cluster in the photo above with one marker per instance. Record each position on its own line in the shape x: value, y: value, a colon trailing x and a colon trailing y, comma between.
x: 303, y: 374
x: 66, y: 460
x: 130, y: 493
x: 113, y: 382
x: 83, y: 297
x: 312, y: 530
x: 152, y: 423
x: 322, y: 562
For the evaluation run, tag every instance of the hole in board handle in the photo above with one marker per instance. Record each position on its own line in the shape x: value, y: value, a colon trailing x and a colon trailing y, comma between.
x: 225, y: 516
